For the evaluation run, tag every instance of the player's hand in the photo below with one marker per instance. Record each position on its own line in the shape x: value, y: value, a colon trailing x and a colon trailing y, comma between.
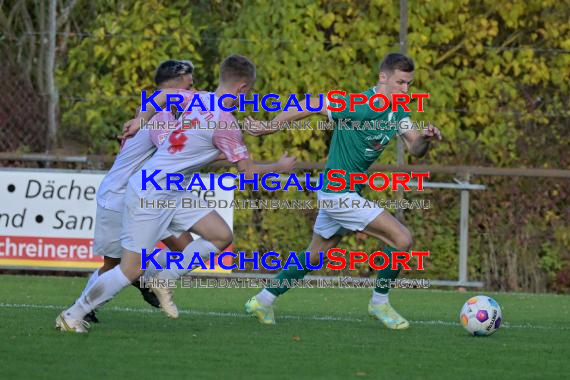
x: 131, y: 127
x: 255, y: 128
x: 287, y: 163
x: 431, y: 133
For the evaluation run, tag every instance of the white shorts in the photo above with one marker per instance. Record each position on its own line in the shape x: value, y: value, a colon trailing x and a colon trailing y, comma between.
x: 144, y: 227
x: 343, y: 217
x: 107, y: 235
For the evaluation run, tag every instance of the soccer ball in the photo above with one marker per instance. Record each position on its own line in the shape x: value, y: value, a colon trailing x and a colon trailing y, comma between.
x: 481, y: 316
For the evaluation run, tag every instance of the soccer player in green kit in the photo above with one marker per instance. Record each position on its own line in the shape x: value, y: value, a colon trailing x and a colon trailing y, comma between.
x: 354, y: 150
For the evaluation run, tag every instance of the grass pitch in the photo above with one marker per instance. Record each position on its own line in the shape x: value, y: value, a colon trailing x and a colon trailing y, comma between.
x: 320, y: 333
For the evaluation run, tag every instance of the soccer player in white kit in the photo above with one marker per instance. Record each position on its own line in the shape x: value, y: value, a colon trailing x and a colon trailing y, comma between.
x: 171, y: 74
x: 186, y: 151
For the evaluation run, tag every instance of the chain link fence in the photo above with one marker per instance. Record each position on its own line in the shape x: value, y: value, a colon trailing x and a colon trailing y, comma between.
x: 23, y: 115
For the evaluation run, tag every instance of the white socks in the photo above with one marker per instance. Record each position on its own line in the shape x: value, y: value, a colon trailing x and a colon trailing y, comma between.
x: 102, y: 290
x: 266, y: 298
x: 378, y: 298
x: 203, y: 246
x: 151, y: 269
x: 94, y: 276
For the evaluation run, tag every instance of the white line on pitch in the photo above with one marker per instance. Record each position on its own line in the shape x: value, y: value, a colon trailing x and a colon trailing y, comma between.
x: 224, y: 314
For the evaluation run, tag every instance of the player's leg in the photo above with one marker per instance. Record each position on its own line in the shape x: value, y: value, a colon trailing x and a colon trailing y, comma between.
x: 375, y: 222
x: 104, y: 289
x: 141, y: 229
x: 138, y: 234
x: 162, y: 294
x: 372, y: 221
x: 215, y: 236
x: 108, y: 264
x: 214, y: 232
x: 388, y: 229
x: 106, y: 243
x: 261, y: 305
x: 174, y: 244
x: 177, y: 244
x: 318, y: 244
x: 326, y: 235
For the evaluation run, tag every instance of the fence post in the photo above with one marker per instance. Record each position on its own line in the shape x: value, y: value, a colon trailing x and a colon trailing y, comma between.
x: 399, y: 141
x: 50, y: 78
x: 464, y: 234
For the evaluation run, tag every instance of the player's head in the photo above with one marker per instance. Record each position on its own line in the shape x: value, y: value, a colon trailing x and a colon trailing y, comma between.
x: 396, y: 74
x: 237, y: 74
x: 174, y: 74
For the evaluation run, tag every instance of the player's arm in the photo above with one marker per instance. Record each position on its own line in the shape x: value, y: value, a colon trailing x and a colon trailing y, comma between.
x: 418, y: 143
x: 286, y: 164
x: 131, y: 127
x: 287, y: 116
x: 295, y: 114
x: 230, y: 143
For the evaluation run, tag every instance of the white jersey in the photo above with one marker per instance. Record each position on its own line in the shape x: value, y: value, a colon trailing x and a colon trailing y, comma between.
x: 133, y: 154
x: 192, y: 146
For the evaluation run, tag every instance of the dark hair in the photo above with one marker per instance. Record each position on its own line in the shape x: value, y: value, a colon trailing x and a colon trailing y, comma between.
x: 171, y: 70
x: 397, y: 61
x: 237, y: 67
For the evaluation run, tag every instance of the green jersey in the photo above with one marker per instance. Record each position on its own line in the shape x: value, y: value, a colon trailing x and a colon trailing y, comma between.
x: 359, y: 138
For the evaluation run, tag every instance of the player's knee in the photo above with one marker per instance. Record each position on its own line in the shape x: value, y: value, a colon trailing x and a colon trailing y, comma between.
x: 131, y: 266
x: 404, y: 241
x: 223, y: 238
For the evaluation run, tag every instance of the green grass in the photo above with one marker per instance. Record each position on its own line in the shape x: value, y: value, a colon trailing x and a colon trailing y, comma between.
x: 320, y: 333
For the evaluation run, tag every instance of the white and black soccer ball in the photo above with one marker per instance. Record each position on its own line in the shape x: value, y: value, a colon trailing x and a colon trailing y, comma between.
x: 481, y: 316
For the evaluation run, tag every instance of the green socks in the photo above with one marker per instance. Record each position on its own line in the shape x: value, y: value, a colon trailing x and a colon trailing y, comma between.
x: 387, y: 273
x: 291, y: 273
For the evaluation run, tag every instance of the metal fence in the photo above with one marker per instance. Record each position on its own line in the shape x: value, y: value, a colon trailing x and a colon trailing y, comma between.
x: 23, y: 116
x: 461, y: 194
